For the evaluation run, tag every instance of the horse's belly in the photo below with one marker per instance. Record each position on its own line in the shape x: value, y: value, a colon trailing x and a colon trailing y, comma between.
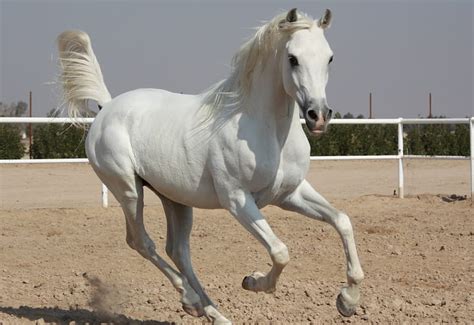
x: 176, y: 171
x: 199, y: 194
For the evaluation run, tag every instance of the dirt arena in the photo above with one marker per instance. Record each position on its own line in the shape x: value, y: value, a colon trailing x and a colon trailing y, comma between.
x: 63, y: 258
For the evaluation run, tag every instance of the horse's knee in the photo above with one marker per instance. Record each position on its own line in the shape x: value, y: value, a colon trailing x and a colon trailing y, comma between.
x: 128, y: 196
x: 142, y: 244
x: 280, y: 255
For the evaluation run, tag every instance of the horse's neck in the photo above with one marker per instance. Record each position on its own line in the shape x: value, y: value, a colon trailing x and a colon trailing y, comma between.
x: 269, y: 102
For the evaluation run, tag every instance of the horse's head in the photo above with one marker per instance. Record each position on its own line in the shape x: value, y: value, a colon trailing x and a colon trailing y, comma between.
x: 305, y: 64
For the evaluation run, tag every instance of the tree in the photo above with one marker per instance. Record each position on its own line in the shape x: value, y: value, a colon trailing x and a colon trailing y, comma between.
x: 14, y: 109
x: 435, y: 139
x: 10, y: 142
x: 461, y: 140
x: 348, y: 115
x: 414, y: 143
x: 58, y: 141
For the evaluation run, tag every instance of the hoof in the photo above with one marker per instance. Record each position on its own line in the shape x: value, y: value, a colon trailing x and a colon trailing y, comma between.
x: 257, y: 282
x: 345, y: 309
x: 249, y: 283
x: 195, y: 310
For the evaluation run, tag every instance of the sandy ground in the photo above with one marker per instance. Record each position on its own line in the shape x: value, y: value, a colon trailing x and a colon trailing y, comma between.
x: 63, y: 258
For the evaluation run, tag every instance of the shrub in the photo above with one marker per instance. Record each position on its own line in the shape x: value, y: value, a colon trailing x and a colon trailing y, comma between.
x: 10, y: 142
x: 58, y: 141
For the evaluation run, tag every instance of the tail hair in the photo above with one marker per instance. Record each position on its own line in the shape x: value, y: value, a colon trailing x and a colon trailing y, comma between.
x: 80, y: 75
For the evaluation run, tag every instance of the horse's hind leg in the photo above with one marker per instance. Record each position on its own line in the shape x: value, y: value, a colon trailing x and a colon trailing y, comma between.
x: 180, y: 222
x: 129, y: 192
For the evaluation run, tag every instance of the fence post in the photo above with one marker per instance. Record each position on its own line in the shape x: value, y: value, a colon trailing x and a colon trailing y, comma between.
x: 401, y: 193
x: 471, y: 129
x: 105, y: 196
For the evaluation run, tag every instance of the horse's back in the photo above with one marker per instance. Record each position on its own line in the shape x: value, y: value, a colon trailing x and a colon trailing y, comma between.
x: 141, y: 114
x: 150, y: 133
x: 150, y: 103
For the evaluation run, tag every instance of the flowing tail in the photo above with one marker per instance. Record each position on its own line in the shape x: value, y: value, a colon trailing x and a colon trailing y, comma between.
x: 80, y: 76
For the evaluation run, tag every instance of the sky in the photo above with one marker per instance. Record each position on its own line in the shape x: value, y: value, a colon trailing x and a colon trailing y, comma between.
x: 398, y: 50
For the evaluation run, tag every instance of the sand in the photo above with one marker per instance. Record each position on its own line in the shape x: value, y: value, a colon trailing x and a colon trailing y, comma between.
x: 64, y: 259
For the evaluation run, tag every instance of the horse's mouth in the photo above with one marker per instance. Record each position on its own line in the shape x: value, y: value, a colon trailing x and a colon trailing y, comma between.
x: 318, y: 131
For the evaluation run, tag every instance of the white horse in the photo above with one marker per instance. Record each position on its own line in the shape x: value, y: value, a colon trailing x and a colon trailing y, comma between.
x: 238, y: 146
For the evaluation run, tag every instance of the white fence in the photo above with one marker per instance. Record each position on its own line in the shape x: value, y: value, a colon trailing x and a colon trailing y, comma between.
x: 398, y: 121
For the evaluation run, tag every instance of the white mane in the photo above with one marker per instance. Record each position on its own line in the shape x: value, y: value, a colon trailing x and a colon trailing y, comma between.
x: 229, y: 95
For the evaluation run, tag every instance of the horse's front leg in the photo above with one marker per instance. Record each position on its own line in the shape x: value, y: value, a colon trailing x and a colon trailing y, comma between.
x: 242, y: 206
x: 307, y: 201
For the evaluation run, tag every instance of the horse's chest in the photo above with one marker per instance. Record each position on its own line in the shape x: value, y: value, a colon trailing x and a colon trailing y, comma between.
x: 258, y: 168
x: 287, y: 171
x: 261, y: 163
x: 283, y: 180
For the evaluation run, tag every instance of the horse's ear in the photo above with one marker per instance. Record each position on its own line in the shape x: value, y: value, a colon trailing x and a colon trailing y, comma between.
x: 325, y: 21
x: 292, y: 16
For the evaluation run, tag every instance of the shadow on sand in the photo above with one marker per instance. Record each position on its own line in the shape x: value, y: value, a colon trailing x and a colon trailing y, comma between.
x: 79, y: 316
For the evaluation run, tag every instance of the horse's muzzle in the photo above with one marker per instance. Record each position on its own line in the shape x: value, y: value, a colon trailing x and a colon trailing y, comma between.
x: 317, y: 120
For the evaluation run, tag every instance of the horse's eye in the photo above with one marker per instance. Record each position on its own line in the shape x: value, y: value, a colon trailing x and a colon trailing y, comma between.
x: 293, y: 61
x: 330, y: 60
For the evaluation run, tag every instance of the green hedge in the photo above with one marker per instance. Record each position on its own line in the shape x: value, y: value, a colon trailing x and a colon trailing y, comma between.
x: 380, y: 139
x: 10, y: 142
x: 67, y: 141
x: 58, y: 141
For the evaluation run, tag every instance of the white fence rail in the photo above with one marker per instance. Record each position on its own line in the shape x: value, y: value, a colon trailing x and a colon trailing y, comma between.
x: 398, y: 121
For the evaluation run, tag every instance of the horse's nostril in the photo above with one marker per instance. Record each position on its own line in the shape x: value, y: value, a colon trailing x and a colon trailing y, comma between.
x: 312, y: 114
